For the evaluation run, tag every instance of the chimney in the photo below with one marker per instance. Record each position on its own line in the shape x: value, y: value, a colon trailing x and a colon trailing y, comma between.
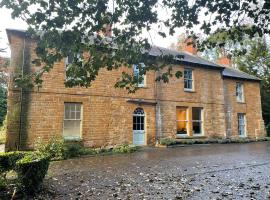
x: 224, y: 59
x: 189, y: 46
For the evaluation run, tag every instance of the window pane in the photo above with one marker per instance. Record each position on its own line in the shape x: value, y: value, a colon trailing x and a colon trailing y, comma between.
x: 181, y: 127
x: 72, y: 122
x: 196, y: 127
x: 241, y: 124
x: 181, y: 114
x: 196, y: 113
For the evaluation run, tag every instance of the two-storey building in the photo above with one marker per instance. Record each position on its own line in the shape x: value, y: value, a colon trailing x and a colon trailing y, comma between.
x: 210, y: 100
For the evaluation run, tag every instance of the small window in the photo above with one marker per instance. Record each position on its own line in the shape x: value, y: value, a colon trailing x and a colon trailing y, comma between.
x: 72, y: 121
x: 136, y: 73
x: 197, y: 121
x: 239, y: 92
x: 188, y: 80
x: 241, y: 124
x: 181, y: 120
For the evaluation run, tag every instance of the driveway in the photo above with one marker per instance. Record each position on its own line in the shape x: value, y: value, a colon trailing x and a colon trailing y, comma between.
x: 220, y: 171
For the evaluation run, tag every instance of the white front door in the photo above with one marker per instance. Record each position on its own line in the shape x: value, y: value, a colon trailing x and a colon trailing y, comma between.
x: 138, y: 127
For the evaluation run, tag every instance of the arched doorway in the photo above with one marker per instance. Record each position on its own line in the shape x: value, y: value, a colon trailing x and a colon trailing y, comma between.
x: 138, y: 127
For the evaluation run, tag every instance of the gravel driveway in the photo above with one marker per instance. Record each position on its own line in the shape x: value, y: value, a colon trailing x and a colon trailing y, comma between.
x: 220, y: 171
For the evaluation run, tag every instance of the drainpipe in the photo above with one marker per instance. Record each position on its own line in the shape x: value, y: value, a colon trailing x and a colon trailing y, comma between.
x: 158, y: 112
x: 21, y: 105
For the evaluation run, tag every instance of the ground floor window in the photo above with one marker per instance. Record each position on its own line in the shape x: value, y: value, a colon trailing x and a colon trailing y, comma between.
x: 72, y: 121
x: 189, y: 117
x: 138, y: 119
x: 197, y: 121
x: 181, y: 120
x: 241, y: 124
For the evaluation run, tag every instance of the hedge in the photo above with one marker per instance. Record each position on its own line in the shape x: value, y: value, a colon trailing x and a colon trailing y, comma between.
x: 31, y: 168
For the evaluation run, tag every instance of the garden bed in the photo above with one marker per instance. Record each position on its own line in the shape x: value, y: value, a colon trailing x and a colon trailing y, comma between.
x: 171, y: 142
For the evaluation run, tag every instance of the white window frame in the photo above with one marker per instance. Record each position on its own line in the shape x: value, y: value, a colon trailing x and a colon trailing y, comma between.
x: 200, y: 121
x: 136, y: 72
x: 67, y: 62
x: 241, y: 124
x: 239, y: 92
x: 186, y: 120
x: 189, y: 79
x: 73, y: 138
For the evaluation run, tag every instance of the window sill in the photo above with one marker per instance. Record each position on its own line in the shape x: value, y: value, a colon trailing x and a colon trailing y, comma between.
x: 241, y: 102
x: 190, y: 137
x: 187, y: 90
x: 72, y: 139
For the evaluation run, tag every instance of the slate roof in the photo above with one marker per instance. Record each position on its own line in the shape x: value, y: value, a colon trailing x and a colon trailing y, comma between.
x: 234, y: 73
x: 185, y: 57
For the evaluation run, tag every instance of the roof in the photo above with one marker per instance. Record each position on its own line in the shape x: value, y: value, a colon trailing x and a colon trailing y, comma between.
x: 185, y: 57
x: 234, y: 73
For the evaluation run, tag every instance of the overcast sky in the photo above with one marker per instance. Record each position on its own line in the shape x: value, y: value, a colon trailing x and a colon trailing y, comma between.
x: 8, y: 22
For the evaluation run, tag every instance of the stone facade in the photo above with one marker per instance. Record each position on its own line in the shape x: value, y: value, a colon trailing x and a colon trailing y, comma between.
x: 107, y: 112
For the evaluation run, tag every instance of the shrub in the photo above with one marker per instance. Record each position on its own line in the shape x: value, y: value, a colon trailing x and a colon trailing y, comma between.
x: 31, y: 170
x: 8, y: 160
x: 124, y: 149
x: 55, y: 148
x: 167, y: 141
x: 76, y: 149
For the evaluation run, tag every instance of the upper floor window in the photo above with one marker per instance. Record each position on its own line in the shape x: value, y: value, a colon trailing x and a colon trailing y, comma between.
x: 239, y: 92
x: 241, y: 124
x: 188, y: 79
x: 136, y: 73
x: 69, y: 59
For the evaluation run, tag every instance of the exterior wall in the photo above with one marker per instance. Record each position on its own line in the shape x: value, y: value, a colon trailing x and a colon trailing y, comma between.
x: 251, y: 107
x: 206, y: 95
x: 107, y: 111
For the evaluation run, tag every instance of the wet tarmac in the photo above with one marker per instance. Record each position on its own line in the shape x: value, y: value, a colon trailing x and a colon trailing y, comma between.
x: 220, y: 171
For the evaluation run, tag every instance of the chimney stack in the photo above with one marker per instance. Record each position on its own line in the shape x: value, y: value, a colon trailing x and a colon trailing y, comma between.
x: 189, y: 46
x: 224, y: 59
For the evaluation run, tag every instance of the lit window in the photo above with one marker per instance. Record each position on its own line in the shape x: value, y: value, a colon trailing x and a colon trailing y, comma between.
x: 239, y: 92
x: 188, y: 80
x: 72, y: 121
x: 140, y: 77
x: 181, y: 120
x: 241, y: 124
x: 197, y: 121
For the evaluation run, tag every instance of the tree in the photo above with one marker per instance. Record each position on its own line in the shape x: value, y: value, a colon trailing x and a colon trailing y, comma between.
x: 257, y: 63
x: 69, y: 27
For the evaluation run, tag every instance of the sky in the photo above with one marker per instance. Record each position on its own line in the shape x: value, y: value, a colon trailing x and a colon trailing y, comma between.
x: 7, y: 22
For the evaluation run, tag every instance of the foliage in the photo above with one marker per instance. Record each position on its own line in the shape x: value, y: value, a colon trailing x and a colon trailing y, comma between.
x: 172, y: 141
x: 167, y: 141
x: 31, y: 170
x: 58, y: 149
x: 3, y: 104
x: 8, y: 160
x: 69, y: 27
x: 3, y: 129
x: 256, y: 62
x: 124, y: 149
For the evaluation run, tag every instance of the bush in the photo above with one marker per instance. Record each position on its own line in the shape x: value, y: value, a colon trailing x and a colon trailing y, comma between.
x: 55, y: 148
x: 8, y: 160
x: 167, y: 141
x: 124, y: 149
x: 31, y: 170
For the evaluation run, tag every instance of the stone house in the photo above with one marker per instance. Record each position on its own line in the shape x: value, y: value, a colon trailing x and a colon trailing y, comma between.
x: 210, y: 100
